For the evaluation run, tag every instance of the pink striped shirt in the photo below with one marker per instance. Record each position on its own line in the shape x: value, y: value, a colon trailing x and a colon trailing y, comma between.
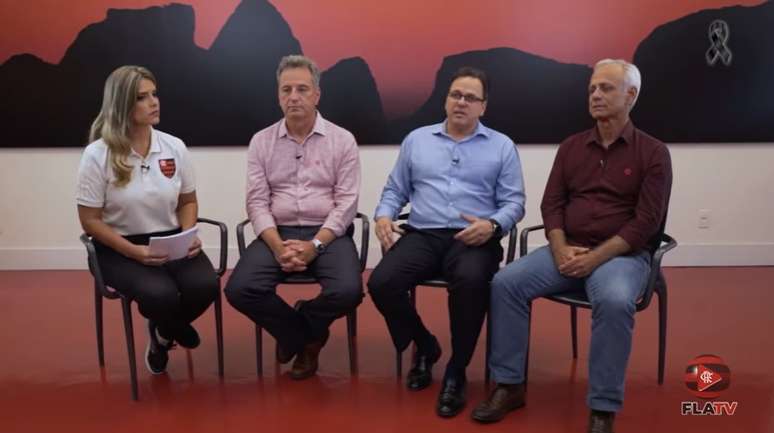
x: 312, y: 183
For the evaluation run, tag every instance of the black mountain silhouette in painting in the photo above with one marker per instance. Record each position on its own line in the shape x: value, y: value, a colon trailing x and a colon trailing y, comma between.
x: 531, y: 99
x: 684, y: 99
x: 219, y: 96
x: 242, y: 64
x: 222, y: 95
x: 350, y: 99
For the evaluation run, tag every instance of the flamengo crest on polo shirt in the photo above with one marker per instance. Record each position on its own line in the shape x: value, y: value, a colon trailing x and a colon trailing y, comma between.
x: 167, y: 167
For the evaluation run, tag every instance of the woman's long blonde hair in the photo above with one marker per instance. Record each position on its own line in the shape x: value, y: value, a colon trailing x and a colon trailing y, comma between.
x: 114, y: 119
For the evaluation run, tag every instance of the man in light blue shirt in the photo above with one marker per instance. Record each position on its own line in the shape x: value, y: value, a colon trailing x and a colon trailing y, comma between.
x: 465, y: 186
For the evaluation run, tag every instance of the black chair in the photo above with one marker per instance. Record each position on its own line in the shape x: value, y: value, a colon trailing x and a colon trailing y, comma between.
x: 658, y: 246
x: 307, y: 279
x: 101, y: 290
x: 438, y: 281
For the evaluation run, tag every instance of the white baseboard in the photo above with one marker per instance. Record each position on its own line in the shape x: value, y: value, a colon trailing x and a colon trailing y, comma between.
x: 684, y: 255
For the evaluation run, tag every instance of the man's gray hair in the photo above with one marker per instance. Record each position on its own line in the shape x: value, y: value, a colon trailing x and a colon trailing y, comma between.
x: 632, y: 77
x: 298, y: 61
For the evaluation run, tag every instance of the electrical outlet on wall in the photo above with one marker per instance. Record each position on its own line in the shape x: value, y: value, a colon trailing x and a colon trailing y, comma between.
x: 704, y: 218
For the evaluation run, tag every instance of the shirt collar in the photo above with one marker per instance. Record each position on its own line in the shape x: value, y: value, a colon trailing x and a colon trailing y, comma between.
x: 440, y: 129
x: 155, y: 146
x: 318, y: 128
x: 627, y: 135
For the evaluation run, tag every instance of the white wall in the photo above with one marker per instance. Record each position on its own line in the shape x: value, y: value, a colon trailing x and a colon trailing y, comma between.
x: 39, y: 228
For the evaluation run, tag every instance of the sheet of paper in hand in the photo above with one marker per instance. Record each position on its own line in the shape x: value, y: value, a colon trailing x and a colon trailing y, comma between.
x: 175, y: 246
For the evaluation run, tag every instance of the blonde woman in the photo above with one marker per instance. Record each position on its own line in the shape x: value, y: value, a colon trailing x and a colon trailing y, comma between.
x: 135, y: 182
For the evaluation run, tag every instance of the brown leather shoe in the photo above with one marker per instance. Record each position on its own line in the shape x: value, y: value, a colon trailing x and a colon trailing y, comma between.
x: 503, y: 399
x: 305, y: 365
x: 601, y: 422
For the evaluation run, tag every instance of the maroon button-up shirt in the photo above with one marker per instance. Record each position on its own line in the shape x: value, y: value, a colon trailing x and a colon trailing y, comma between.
x: 595, y: 193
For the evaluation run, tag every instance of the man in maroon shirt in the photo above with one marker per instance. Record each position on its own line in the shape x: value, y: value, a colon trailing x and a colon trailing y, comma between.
x: 605, y: 199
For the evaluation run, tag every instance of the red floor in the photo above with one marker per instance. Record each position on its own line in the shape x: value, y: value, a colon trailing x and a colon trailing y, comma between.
x: 50, y: 380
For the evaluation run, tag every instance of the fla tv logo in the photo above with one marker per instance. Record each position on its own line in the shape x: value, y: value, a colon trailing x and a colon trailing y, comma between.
x: 706, y: 377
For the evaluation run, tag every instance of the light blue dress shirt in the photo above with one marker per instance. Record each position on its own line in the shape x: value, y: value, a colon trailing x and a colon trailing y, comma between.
x: 443, y: 178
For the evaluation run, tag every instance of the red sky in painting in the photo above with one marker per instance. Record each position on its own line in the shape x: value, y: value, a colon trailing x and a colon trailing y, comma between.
x: 403, y: 41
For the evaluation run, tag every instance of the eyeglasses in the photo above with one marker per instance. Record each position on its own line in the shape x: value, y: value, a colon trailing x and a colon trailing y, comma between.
x: 468, y: 97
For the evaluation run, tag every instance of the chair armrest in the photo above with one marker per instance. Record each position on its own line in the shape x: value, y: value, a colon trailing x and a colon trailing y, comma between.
x: 667, y: 243
x: 94, y: 268
x: 512, y: 237
x: 524, y: 238
x: 223, y: 243
x: 240, y: 234
x: 401, y: 217
x: 364, y: 239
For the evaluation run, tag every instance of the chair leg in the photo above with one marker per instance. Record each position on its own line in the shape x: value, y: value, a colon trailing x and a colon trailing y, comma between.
x: 399, y: 354
x: 129, y: 329
x: 487, y: 373
x: 529, y: 337
x: 259, y: 350
x: 398, y: 363
x: 662, y: 324
x: 413, y: 300
x: 574, y: 330
x: 98, y: 323
x: 219, y: 330
x: 354, y: 324
x: 351, y: 332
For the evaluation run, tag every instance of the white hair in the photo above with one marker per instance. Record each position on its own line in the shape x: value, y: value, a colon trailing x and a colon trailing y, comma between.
x: 632, y: 77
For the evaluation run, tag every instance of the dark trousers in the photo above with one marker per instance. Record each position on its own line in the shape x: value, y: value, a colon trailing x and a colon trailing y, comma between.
x: 252, y: 289
x: 172, y: 295
x: 425, y: 254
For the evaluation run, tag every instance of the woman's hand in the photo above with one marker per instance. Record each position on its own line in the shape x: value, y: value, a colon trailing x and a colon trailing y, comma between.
x: 142, y: 254
x: 195, y: 248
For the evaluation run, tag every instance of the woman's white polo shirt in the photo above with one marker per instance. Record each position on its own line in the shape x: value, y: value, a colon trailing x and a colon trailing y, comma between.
x: 148, y: 203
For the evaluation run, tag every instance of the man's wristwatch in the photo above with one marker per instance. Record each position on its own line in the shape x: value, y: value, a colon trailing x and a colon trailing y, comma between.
x: 496, y: 229
x: 319, y: 246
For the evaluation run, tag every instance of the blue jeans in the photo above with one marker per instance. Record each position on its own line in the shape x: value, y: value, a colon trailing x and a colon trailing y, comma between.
x: 613, y: 289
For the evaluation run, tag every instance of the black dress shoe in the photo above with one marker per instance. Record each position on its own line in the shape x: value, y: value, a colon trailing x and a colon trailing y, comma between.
x: 451, y: 400
x: 601, y: 422
x: 503, y: 399
x: 421, y: 374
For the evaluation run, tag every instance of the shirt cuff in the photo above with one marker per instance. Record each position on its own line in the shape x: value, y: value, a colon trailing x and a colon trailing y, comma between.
x: 261, y: 223
x: 385, y: 211
x: 553, y: 222
x: 337, y: 229
x: 632, y: 238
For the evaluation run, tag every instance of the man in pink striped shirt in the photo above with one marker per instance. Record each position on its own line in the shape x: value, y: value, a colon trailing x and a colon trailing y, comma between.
x: 303, y: 181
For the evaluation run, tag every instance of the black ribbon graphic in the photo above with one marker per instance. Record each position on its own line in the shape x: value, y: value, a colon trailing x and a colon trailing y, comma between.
x: 718, y: 36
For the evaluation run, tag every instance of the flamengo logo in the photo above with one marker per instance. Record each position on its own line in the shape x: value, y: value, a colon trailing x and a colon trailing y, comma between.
x: 706, y: 376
